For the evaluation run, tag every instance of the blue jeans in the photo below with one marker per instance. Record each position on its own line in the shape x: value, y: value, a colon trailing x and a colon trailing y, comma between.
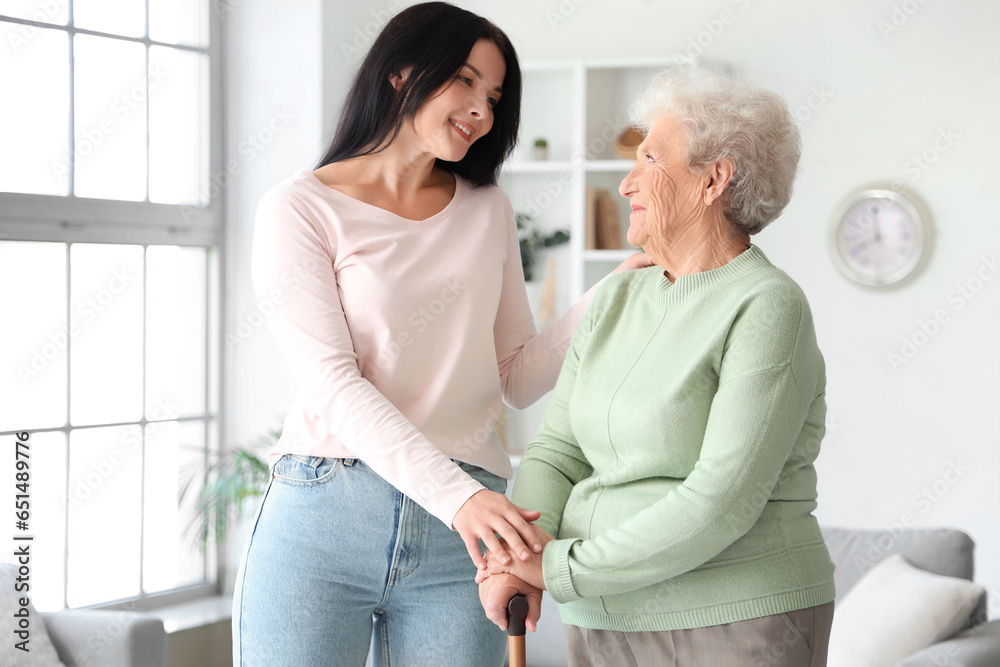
x: 339, y: 560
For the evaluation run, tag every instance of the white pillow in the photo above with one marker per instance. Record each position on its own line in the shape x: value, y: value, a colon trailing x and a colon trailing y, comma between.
x: 41, y: 652
x: 897, y: 609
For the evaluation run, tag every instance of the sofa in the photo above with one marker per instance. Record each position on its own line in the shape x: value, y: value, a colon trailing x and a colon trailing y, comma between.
x: 940, y: 551
x: 97, y: 638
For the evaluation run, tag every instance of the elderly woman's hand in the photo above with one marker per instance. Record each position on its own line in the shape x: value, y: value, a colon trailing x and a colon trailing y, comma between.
x: 529, y: 571
x: 639, y: 260
x: 496, y: 591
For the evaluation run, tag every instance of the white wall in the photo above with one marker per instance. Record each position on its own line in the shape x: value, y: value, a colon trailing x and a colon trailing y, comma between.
x: 893, y: 432
x: 273, y: 98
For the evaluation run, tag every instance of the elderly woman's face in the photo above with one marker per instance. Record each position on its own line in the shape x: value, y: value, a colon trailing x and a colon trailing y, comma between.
x: 665, y: 196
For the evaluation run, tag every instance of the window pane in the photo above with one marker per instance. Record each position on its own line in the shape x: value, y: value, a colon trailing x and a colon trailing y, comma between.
x: 44, y: 11
x: 47, y: 524
x: 105, y: 475
x: 214, y: 310
x: 34, y: 136
x: 110, y: 123
x: 34, y: 339
x: 169, y: 557
x: 106, y: 354
x: 211, y: 560
x: 118, y: 17
x: 179, y: 21
x: 178, y: 126
x: 175, y: 332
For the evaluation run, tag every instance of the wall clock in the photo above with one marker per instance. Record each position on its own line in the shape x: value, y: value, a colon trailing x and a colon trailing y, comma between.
x: 881, y: 237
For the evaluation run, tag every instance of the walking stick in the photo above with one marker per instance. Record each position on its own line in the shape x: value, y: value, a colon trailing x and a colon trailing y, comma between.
x: 517, y: 610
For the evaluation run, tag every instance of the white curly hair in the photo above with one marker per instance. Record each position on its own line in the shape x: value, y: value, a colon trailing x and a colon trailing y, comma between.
x: 725, y: 117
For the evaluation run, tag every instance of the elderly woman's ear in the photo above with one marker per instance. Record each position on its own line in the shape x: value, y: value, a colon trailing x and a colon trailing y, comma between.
x: 719, y: 174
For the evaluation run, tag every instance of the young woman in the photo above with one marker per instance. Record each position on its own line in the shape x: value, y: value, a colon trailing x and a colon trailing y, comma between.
x: 402, y: 311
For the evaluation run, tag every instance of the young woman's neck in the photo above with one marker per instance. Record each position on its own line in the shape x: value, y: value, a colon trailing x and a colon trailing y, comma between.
x: 401, y: 169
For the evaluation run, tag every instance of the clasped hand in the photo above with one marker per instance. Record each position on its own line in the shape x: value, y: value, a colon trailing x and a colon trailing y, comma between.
x: 501, y: 581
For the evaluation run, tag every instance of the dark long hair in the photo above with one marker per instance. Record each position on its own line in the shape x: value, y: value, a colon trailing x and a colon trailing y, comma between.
x: 434, y: 39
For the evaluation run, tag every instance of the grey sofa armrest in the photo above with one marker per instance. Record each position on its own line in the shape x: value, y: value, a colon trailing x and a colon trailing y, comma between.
x: 977, y: 647
x: 97, y: 638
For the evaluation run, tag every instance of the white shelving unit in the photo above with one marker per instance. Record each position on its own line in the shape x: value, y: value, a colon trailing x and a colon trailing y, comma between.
x: 579, y: 108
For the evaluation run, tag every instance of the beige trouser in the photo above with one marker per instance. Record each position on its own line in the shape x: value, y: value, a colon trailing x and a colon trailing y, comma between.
x: 793, y: 639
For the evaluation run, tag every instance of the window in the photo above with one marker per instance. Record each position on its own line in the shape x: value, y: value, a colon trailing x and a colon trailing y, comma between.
x: 110, y: 262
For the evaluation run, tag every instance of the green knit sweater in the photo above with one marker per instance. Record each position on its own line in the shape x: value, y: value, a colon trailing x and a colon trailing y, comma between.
x: 674, y: 463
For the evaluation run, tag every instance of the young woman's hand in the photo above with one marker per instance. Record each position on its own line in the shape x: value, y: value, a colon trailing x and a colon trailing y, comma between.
x: 488, y: 513
x: 639, y: 260
x: 496, y: 591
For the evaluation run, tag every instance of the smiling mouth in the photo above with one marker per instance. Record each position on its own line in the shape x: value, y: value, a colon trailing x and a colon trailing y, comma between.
x: 465, y: 130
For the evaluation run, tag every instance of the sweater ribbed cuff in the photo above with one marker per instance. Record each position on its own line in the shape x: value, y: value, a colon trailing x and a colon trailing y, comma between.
x: 555, y: 570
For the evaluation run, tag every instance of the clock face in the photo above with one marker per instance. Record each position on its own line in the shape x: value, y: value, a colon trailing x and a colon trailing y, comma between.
x: 880, y: 237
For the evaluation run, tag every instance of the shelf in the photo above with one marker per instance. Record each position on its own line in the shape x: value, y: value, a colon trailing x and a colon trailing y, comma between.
x: 540, y: 167
x: 609, y: 255
x: 608, y: 165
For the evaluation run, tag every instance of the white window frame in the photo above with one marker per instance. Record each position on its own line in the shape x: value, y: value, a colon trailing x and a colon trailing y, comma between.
x: 70, y: 219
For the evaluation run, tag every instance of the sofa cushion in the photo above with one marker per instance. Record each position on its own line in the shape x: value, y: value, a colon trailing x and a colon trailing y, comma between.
x: 41, y: 652
x: 895, y: 610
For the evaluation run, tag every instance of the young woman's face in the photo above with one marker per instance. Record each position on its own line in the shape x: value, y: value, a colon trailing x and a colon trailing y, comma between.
x: 460, y: 112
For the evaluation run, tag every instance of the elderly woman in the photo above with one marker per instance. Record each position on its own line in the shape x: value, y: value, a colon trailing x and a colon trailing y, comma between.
x: 674, y: 464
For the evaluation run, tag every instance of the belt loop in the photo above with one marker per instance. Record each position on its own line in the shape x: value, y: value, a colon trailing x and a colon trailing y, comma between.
x: 349, y: 462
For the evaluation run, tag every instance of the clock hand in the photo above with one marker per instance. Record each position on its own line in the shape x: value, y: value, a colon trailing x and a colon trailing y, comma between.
x: 866, y: 244
x: 873, y: 213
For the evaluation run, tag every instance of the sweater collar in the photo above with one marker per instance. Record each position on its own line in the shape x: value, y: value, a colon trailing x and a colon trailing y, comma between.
x: 748, y: 261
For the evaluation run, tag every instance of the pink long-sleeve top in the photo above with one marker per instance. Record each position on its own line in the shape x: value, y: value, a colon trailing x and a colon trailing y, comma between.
x: 404, y: 335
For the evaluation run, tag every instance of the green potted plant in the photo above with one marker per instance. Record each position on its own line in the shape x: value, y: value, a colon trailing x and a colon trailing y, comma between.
x: 221, y: 484
x: 533, y: 242
x: 541, y: 151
